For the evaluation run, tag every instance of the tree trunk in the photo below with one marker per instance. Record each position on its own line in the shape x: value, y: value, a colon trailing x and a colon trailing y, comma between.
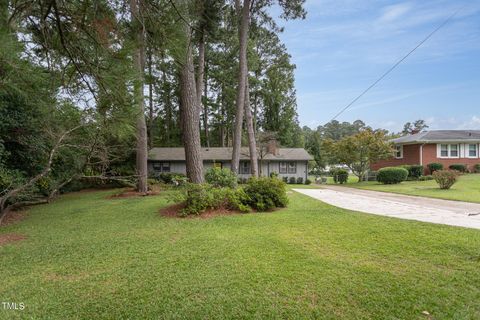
x: 139, y: 63
x: 202, y: 84
x: 242, y: 74
x: 205, y: 111
x: 252, y: 144
x: 190, y: 115
x: 150, y: 101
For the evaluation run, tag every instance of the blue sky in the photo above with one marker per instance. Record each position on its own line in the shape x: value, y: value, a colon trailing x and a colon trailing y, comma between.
x: 345, y: 45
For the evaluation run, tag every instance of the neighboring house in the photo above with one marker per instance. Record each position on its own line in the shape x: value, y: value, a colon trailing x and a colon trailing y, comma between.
x: 287, y: 162
x: 443, y: 146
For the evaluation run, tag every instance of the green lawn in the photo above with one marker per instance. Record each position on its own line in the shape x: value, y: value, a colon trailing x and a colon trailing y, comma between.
x: 88, y: 257
x: 466, y: 189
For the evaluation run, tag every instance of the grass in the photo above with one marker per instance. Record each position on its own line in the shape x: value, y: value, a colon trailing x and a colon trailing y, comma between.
x: 466, y: 189
x: 89, y: 257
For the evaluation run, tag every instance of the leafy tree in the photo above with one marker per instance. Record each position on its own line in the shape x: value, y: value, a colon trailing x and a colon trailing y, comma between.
x: 415, y: 127
x: 360, y: 150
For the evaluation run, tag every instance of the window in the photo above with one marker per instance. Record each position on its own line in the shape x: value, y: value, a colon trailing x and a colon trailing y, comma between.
x: 399, y: 152
x: 472, y: 151
x: 292, y: 167
x: 282, y: 167
x: 161, y: 166
x: 449, y: 151
x: 245, y: 167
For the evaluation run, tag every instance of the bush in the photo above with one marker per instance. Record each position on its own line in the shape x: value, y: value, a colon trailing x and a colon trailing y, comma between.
x: 201, y: 197
x: 170, y: 177
x: 285, y: 179
x: 340, y: 176
x: 434, y: 166
x: 291, y: 180
x: 299, y: 180
x: 273, y: 175
x: 221, y: 178
x: 308, y: 181
x: 414, y: 171
x: 242, y: 180
x: 476, y: 168
x: 392, y: 175
x: 425, y: 178
x: 445, y: 178
x: 458, y: 167
x: 266, y: 193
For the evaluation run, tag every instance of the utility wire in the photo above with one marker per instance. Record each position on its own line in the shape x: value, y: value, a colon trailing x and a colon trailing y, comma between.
x: 397, y: 63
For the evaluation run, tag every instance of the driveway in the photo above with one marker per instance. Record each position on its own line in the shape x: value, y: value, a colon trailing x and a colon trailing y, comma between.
x: 454, y: 213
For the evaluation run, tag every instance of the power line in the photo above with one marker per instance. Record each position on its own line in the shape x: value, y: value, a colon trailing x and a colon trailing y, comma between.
x: 396, y: 64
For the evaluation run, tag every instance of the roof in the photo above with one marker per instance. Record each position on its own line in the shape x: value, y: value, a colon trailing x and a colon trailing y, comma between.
x: 217, y: 154
x: 440, y: 136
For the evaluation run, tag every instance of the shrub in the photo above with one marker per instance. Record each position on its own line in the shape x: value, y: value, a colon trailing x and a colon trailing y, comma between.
x: 476, y: 168
x: 242, y: 180
x: 266, y: 193
x: 44, y: 185
x: 291, y: 180
x: 340, y: 176
x: 201, y: 197
x: 221, y: 178
x: 415, y: 171
x: 285, y: 179
x: 273, y: 175
x: 434, y: 166
x: 426, y: 178
x: 392, y: 175
x: 445, y: 178
x: 299, y: 180
x: 170, y: 177
x: 308, y: 181
x: 458, y: 167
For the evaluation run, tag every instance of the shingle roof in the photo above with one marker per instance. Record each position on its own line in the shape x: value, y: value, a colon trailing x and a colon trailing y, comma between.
x: 440, y: 136
x: 178, y: 154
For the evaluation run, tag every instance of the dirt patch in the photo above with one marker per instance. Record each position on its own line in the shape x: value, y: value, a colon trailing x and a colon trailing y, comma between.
x: 174, y: 211
x: 13, y: 217
x: 129, y: 193
x: 10, y: 237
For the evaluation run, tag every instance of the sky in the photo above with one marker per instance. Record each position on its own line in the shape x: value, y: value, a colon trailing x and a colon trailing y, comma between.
x: 343, y: 46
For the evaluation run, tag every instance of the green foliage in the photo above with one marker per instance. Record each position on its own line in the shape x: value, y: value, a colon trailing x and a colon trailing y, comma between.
x: 299, y: 180
x: 434, y: 166
x: 426, y: 178
x: 170, y: 178
x: 476, y: 168
x: 340, y: 175
x: 266, y: 193
x: 308, y: 181
x: 445, y: 178
x: 458, y: 167
x: 292, y: 180
x: 45, y: 185
x: 414, y: 171
x: 221, y: 177
x: 392, y: 175
x: 285, y: 179
x: 273, y: 174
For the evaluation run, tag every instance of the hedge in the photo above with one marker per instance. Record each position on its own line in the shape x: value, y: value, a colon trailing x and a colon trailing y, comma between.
x: 434, y: 166
x: 392, y: 175
x: 458, y: 167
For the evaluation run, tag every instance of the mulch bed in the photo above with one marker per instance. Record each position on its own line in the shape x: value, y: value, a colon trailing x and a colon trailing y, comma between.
x: 173, y: 211
x: 129, y: 193
x: 10, y: 237
x: 13, y: 217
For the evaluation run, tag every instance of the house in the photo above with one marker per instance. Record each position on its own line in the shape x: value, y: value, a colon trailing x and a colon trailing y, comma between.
x: 443, y: 146
x: 286, y: 162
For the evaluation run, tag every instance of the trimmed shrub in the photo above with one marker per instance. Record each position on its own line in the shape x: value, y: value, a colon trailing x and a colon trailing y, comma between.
x: 308, y: 181
x: 266, y: 193
x: 291, y: 180
x: 285, y: 179
x: 476, y: 168
x: 434, y: 166
x: 340, y: 176
x: 221, y: 178
x: 426, y: 178
x: 458, y: 167
x: 299, y: 180
x: 273, y: 174
x: 415, y: 171
x: 445, y: 178
x: 392, y: 175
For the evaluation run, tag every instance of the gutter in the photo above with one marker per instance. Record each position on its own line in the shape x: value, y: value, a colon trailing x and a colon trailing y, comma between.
x: 421, y: 154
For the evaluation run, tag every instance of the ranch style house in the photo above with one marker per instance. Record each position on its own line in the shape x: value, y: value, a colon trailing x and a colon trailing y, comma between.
x: 286, y: 162
x: 442, y: 146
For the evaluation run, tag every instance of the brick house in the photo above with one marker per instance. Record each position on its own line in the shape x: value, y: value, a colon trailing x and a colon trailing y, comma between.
x: 443, y: 146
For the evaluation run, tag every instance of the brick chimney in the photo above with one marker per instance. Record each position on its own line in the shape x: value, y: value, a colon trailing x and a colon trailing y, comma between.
x: 272, y: 147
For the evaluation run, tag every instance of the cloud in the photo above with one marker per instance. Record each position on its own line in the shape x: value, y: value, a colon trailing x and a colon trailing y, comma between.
x: 393, y: 12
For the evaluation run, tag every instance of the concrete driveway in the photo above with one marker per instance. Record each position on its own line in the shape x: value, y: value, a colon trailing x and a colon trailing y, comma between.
x: 454, y: 213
